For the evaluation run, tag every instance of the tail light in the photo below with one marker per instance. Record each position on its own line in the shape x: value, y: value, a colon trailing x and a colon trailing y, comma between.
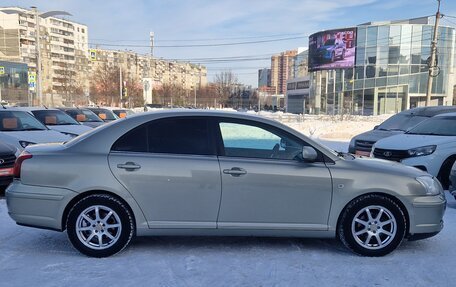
x: 18, y: 164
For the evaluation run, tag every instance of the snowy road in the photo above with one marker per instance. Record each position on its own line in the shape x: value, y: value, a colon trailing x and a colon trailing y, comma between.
x: 33, y: 257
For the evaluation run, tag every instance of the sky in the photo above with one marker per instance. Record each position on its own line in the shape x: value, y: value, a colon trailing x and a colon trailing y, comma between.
x: 125, y: 25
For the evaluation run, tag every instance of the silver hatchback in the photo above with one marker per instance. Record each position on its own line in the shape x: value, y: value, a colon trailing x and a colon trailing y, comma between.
x: 217, y: 173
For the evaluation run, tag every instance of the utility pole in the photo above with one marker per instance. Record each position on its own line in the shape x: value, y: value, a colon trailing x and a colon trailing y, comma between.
x: 38, y: 56
x: 151, y: 76
x: 432, y: 64
x: 120, y: 84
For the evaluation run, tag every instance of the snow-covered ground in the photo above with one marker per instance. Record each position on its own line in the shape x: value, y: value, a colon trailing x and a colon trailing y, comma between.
x: 34, y: 257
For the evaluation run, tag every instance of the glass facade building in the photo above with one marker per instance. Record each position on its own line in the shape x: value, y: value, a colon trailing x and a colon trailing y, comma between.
x: 390, y: 70
x: 14, y: 82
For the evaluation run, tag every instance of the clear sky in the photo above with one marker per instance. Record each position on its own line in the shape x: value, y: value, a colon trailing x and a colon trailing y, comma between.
x: 123, y: 22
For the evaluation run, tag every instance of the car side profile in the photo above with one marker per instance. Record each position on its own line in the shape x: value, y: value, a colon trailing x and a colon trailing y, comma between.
x: 192, y: 172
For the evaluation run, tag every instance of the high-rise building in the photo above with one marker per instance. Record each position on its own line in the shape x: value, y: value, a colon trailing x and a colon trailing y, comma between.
x: 264, y: 77
x: 63, y: 52
x: 282, y: 70
x: 300, y: 64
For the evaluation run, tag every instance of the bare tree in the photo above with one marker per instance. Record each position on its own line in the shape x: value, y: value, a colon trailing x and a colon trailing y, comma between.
x: 225, y: 82
x: 104, y: 86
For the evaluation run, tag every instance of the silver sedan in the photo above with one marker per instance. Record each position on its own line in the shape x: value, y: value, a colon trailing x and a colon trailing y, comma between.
x: 217, y: 173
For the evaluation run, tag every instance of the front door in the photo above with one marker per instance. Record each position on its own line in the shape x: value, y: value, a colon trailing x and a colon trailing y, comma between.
x: 264, y: 183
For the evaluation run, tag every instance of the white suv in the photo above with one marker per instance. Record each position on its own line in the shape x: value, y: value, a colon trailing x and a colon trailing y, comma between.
x: 430, y: 146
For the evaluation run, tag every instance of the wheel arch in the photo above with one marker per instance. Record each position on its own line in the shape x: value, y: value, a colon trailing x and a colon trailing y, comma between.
x: 391, y: 197
x: 80, y: 196
x: 447, y: 163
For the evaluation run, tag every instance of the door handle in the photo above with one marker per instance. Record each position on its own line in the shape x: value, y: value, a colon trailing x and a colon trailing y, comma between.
x: 129, y: 166
x: 235, y: 171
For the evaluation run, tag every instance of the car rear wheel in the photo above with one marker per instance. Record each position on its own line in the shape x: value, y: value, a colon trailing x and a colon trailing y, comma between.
x: 372, y: 225
x: 100, y: 225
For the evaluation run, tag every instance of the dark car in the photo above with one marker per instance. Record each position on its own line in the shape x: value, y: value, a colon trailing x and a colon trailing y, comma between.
x: 104, y: 114
x: 7, y: 159
x: 84, y: 116
x: 331, y: 50
x: 397, y: 124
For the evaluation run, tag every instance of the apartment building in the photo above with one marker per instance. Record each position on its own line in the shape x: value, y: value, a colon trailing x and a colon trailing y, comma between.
x: 162, y: 72
x: 63, y: 52
x: 282, y: 69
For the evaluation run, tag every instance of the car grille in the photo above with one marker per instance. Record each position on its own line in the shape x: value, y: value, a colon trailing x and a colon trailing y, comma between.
x: 7, y: 160
x: 389, y: 154
x: 363, y: 145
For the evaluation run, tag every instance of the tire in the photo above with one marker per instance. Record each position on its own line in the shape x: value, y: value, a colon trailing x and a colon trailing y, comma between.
x: 96, y: 218
x: 375, y: 235
x: 333, y: 57
x: 342, y: 57
x: 444, y: 172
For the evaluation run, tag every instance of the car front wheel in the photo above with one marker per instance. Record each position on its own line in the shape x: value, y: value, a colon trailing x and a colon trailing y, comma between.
x: 372, y: 225
x: 100, y: 225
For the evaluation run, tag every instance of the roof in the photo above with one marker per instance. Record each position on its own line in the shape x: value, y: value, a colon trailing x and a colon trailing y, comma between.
x: 430, y: 111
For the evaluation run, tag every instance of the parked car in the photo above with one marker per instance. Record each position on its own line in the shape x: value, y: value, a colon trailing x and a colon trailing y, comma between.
x: 7, y: 159
x: 59, y: 121
x: 429, y: 146
x: 164, y: 173
x: 105, y: 114
x: 332, y: 50
x: 452, y: 187
x: 84, y: 116
x: 397, y: 124
x: 19, y: 128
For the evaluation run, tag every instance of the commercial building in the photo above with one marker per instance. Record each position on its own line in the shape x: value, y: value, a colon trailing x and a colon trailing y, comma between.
x: 264, y: 77
x: 63, y: 51
x: 297, y: 99
x: 13, y: 83
x: 282, y: 70
x: 379, y: 67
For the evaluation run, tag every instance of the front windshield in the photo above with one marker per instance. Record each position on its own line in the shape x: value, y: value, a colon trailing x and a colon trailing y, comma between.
x: 83, y: 115
x: 19, y: 121
x: 54, y: 117
x: 329, y: 42
x: 401, y: 122
x: 105, y: 114
x: 439, y: 126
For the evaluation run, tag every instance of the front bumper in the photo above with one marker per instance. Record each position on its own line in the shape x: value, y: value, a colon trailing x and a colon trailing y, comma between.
x: 429, y: 162
x: 36, y: 205
x: 427, y: 215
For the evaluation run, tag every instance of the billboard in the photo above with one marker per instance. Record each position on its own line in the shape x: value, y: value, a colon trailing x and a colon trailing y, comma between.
x: 332, y: 49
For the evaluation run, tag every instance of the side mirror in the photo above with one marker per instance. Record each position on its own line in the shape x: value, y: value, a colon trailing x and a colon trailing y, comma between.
x: 376, y: 127
x: 309, y: 154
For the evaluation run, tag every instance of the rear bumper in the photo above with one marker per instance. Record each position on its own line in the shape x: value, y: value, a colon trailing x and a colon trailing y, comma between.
x: 427, y: 216
x: 37, y: 206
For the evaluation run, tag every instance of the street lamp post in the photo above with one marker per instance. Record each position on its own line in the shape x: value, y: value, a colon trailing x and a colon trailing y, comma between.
x: 37, y: 40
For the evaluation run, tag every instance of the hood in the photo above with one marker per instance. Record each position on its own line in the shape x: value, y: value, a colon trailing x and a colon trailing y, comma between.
x: 44, y: 136
x: 406, y: 141
x: 71, y: 129
x: 385, y: 166
x: 376, y: 135
x: 329, y: 47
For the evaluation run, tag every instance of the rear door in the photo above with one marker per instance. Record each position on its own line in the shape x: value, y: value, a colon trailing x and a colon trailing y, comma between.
x: 170, y: 168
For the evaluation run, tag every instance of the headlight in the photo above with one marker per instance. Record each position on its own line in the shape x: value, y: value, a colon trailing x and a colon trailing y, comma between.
x: 431, y: 185
x: 420, y: 151
x: 24, y: 144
